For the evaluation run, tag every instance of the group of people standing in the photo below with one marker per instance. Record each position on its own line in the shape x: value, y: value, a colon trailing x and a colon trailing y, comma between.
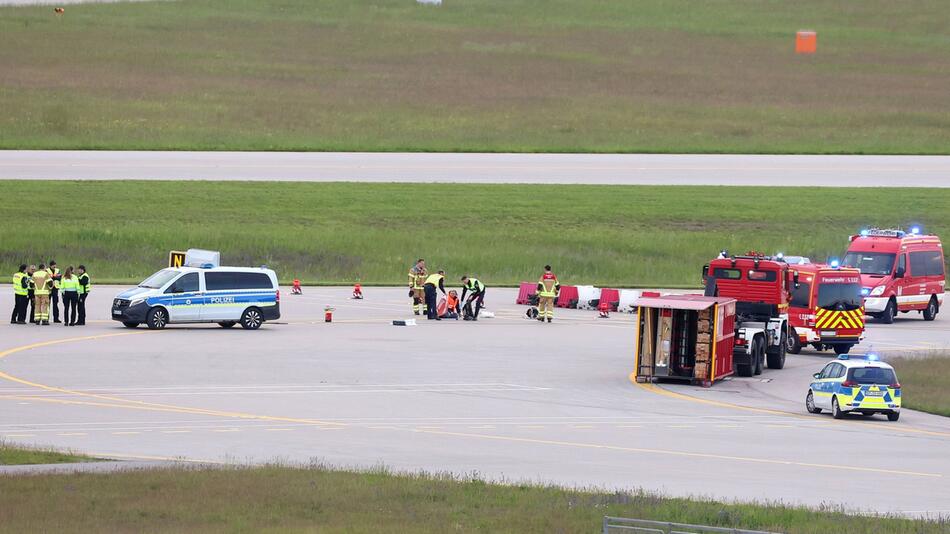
x: 39, y: 288
x: 424, y: 288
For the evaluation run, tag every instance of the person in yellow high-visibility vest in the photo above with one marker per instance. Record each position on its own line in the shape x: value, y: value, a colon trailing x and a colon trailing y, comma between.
x: 548, y: 288
x: 42, y: 283
x: 85, y: 286
x: 433, y: 282
x: 69, y: 286
x: 21, y: 295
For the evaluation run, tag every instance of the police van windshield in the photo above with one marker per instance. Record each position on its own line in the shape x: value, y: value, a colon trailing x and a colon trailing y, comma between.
x: 159, y: 279
x: 872, y: 375
x: 839, y: 297
x: 870, y: 262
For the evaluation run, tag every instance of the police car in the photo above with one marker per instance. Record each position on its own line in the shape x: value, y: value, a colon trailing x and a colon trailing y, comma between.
x: 859, y: 384
x: 223, y: 295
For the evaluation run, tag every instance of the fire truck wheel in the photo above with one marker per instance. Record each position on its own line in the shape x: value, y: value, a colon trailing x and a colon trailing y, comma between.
x: 890, y: 311
x: 744, y: 369
x: 776, y: 360
x: 842, y: 349
x: 930, y: 313
x: 758, y: 353
x: 794, y: 344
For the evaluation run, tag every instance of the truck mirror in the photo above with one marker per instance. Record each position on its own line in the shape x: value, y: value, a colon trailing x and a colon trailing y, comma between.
x: 705, y: 273
x: 899, y: 273
x: 795, y: 283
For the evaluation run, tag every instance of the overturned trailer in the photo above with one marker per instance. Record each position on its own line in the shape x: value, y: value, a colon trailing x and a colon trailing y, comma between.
x: 684, y: 337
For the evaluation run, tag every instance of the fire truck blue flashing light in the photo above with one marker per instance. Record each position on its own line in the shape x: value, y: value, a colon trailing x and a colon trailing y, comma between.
x: 835, y: 263
x: 915, y: 230
x: 865, y: 232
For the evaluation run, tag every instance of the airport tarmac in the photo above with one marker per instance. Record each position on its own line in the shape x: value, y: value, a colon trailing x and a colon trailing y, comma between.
x: 505, y: 398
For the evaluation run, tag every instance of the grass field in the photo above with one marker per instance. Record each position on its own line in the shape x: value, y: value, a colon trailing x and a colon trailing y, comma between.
x: 279, y: 499
x: 16, y: 455
x: 479, y: 75
x: 340, y: 233
x: 925, y: 383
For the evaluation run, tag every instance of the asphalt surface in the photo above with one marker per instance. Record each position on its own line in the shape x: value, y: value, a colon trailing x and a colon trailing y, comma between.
x: 617, y: 169
x: 508, y: 398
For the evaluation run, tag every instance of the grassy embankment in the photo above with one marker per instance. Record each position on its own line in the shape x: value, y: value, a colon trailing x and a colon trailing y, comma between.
x: 280, y: 499
x: 485, y: 75
x: 925, y: 382
x: 338, y: 233
x: 16, y: 455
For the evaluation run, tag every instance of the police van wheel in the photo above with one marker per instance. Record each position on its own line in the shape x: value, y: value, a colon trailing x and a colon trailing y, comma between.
x: 252, y: 319
x: 156, y: 319
x: 835, y: 409
x: 930, y: 312
x: 131, y: 325
x: 893, y: 416
x: 227, y: 324
x: 810, y: 404
x: 890, y: 311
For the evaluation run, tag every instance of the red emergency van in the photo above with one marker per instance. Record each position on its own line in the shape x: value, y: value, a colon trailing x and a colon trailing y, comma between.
x: 827, y: 309
x: 900, y: 272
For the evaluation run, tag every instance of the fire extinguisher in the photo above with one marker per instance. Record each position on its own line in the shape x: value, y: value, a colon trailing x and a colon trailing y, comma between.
x: 328, y: 314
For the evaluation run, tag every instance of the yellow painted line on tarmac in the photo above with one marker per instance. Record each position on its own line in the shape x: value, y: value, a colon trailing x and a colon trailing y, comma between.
x: 889, y: 427
x: 666, y: 452
x: 119, y: 402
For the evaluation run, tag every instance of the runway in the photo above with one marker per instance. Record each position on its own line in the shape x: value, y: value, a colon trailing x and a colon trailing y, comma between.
x: 602, y: 169
x: 508, y: 398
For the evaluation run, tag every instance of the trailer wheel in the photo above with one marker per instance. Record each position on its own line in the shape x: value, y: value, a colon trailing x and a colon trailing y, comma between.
x: 743, y: 369
x: 793, y: 344
x: 776, y: 360
x: 758, y: 353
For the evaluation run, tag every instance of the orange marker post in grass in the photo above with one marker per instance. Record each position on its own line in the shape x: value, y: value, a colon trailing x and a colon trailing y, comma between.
x: 806, y: 42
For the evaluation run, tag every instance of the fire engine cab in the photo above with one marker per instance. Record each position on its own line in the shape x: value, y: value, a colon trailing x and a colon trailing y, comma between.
x: 900, y: 272
x: 762, y: 287
x: 826, y: 310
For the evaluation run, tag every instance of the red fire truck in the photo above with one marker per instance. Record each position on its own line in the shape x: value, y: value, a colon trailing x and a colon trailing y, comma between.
x: 900, y: 272
x: 762, y: 287
x: 826, y: 310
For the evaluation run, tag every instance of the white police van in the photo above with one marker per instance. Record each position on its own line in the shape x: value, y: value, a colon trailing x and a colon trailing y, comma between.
x: 223, y: 295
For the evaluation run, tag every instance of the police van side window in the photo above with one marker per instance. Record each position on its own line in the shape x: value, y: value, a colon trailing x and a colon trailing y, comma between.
x: 185, y: 284
x: 827, y: 371
x: 236, y: 280
x: 839, y: 371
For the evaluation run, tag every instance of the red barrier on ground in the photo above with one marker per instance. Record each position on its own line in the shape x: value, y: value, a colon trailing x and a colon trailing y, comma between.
x: 610, y: 297
x: 567, y: 295
x: 525, y: 292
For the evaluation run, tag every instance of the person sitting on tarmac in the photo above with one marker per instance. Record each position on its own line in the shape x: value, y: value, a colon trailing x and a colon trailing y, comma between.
x: 452, y: 309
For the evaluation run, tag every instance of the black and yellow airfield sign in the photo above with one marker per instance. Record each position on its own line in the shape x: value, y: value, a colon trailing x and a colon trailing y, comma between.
x: 176, y: 258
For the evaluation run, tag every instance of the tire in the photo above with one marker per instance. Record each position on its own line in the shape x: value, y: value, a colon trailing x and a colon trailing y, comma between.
x: 810, y: 403
x: 130, y: 325
x: 893, y: 416
x: 793, y: 344
x: 842, y: 349
x: 252, y: 319
x: 835, y: 409
x: 157, y: 318
x: 818, y: 347
x: 744, y: 369
x: 890, y: 311
x: 777, y: 360
x: 930, y: 312
x: 759, y: 354
x: 227, y: 324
